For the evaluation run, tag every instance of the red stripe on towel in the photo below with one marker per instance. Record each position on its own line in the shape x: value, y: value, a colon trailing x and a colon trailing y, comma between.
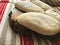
x: 26, y: 40
x: 31, y: 40
x: 1, y: 6
x: 20, y: 39
x: 4, y: 1
x: 56, y: 42
x: 2, y: 10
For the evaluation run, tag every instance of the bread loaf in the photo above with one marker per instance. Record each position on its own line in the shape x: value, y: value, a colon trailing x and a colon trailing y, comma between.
x: 40, y: 23
x: 41, y: 4
x: 28, y: 7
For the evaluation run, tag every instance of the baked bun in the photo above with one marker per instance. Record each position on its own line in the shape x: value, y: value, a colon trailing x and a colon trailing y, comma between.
x: 39, y: 23
x: 28, y: 7
x: 41, y: 4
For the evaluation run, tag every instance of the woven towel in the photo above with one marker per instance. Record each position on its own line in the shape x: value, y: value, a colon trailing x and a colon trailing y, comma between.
x: 4, y: 11
x: 8, y: 37
x: 6, y: 1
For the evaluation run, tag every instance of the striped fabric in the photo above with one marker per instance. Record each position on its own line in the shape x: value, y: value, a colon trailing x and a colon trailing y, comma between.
x: 4, y: 13
x: 11, y: 1
x: 8, y: 37
x: 2, y: 9
x: 6, y: 1
x: 52, y: 2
